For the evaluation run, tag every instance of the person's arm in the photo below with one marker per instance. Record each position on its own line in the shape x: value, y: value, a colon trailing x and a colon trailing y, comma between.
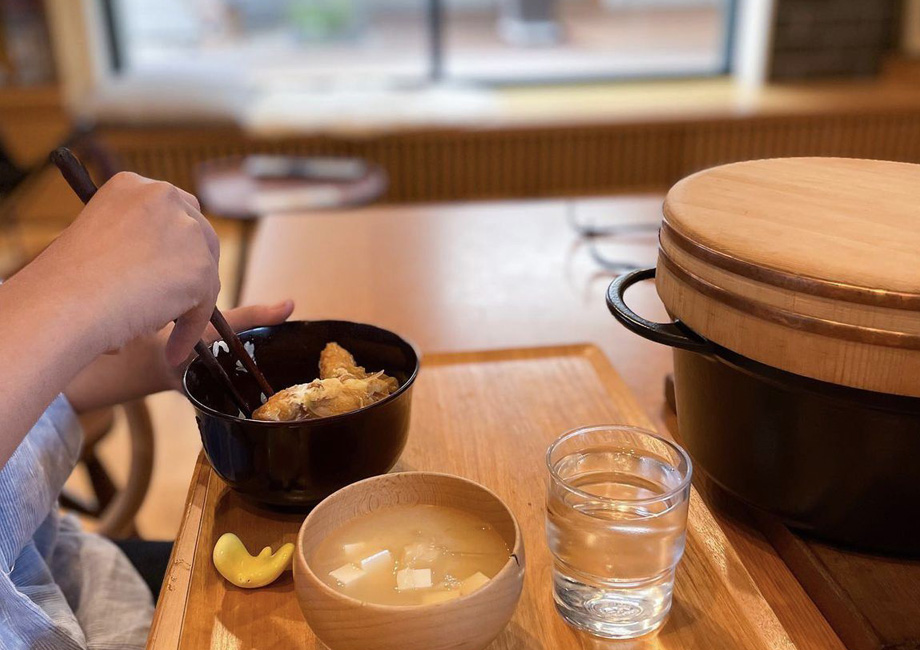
x: 47, y: 334
x: 140, y: 368
x: 139, y: 256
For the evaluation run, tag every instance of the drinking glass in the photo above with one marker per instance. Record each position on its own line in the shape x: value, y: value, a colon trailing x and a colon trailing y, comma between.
x: 616, y: 524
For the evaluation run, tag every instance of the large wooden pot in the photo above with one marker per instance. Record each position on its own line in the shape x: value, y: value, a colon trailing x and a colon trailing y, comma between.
x: 795, y: 288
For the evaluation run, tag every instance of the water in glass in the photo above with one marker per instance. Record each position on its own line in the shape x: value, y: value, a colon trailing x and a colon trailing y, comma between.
x: 616, y: 525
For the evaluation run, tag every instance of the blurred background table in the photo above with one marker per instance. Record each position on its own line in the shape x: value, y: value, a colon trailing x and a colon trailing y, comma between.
x: 233, y: 188
x: 479, y: 276
x: 471, y: 276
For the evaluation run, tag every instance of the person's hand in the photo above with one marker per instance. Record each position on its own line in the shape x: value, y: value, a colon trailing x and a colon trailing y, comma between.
x: 142, y: 255
x: 140, y: 368
x: 240, y: 319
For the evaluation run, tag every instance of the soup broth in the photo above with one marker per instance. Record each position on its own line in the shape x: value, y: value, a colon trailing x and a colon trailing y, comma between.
x: 410, y: 555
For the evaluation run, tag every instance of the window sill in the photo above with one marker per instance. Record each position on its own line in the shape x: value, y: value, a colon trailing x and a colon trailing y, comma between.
x: 368, y: 112
x: 275, y: 114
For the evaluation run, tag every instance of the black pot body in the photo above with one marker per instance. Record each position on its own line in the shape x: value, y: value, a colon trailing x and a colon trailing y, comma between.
x: 300, y: 463
x: 837, y: 462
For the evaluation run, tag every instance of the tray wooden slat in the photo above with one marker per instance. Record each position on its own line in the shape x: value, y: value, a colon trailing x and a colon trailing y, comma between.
x: 487, y: 416
x: 872, y: 601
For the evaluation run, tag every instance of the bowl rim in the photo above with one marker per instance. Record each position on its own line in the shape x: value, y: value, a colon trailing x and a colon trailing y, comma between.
x: 329, y: 418
x: 513, y: 564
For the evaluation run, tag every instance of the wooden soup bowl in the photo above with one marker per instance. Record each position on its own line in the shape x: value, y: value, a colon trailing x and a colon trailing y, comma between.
x: 470, y: 622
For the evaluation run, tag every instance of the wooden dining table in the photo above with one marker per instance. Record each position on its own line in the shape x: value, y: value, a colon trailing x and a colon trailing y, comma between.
x: 471, y: 276
x: 467, y: 279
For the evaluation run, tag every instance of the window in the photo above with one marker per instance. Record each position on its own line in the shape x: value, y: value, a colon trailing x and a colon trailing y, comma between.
x: 276, y: 43
x: 546, y: 40
x: 327, y: 43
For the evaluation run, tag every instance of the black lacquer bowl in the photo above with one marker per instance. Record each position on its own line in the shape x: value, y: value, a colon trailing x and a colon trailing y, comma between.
x: 297, y: 464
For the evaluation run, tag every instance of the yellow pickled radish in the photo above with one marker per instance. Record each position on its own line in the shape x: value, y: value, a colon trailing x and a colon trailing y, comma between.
x: 233, y: 562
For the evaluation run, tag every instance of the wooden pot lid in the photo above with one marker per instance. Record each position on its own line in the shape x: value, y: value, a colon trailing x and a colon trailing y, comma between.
x: 811, y: 265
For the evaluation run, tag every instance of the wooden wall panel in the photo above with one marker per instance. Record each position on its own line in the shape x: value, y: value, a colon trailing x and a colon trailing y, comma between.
x: 541, y: 162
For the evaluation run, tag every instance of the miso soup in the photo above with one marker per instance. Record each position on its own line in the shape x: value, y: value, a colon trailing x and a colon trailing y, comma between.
x: 410, y: 555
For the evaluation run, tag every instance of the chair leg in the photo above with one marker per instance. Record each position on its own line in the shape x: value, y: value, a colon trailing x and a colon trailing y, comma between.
x: 118, y: 520
x: 115, y: 508
x: 103, y: 486
x: 78, y: 505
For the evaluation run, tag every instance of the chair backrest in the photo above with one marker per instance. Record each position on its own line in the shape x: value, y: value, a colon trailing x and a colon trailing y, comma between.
x: 17, y: 184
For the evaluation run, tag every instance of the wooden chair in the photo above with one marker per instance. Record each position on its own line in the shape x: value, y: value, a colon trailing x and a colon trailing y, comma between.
x: 114, y: 509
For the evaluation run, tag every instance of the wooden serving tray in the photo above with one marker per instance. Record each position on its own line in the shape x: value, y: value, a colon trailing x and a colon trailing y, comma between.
x: 489, y: 417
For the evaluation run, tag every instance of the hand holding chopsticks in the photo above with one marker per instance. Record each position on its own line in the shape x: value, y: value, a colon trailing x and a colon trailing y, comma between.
x: 80, y: 181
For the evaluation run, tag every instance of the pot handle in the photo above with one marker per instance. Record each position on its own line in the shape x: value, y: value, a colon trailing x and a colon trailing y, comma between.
x: 673, y: 334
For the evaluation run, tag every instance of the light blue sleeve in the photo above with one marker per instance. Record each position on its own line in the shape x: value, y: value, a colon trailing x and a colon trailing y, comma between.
x: 33, y: 477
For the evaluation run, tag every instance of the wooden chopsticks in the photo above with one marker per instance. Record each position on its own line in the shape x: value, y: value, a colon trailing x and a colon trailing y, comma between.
x: 83, y: 186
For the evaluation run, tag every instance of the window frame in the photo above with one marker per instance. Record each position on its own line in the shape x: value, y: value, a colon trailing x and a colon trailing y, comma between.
x: 435, y: 21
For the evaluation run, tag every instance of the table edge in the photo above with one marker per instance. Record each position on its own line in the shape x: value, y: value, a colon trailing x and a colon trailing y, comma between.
x: 164, y: 631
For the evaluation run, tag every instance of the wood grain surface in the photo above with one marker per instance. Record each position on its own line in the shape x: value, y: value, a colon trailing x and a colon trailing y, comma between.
x: 489, y: 417
x: 789, y: 344
x: 839, y: 221
x: 871, y: 601
x: 802, y: 264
